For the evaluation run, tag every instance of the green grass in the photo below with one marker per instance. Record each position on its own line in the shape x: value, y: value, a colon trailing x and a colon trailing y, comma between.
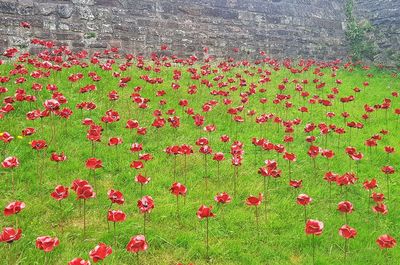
x: 233, y: 234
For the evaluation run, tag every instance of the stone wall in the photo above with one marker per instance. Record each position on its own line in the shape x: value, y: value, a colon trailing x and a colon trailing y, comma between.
x: 384, y: 15
x: 292, y: 28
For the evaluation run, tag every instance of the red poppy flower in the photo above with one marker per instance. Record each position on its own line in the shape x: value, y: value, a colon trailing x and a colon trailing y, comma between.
x: 136, y: 244
x: 380, y: 208
x: 79, y: 261
x: 77, y: 183
x: 289, y: 156
x: 295, y: 183
x: 85, y: 192
x: 388, y: 170
x: 205, y: 212
x: 345, y: 207
x: 116, y: 196
x: 58, y: 157
x: 223, y: 198
x: 304, y: 199
x: 47, y: 243
x: 369, y: 185
x: 389, y: 149
x: 28, y: 131
x: 142, y: 179
x: 94, y: 163
x: 100, y: 252
x: 254, y: 201
x: 328, y: 153
x: 347, y: 232
x: 25, y: 24
x: 10, y: 162
x: 6, y: 137
x: 225, y: 138
x: 10, y: 235
x: 14, y: 208
x: 39, y: 144
x: 116, y: 216
x: 386, y: 241
x: 145, y: 204
x: 145, y: 157
x: 136, y: 147
x: 186, y: 149
x: 205, y: 149
x: 137, y: 164
x: 378, y: 197
x: 51, y: 104
x: 202, y: 141
x: 114, y: 141
x: 219, y: 156
x: 330, y: 176
x: 314, y: 227
x: 313, y: 151
x: 178, y: 189
x: 60, y: 192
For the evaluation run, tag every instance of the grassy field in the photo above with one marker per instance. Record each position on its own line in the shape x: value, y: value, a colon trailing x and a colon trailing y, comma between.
x: 233, y: 234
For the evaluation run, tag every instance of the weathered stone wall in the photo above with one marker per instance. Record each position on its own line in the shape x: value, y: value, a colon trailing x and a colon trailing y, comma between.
x: 384, y: 15
x: 292, y: 28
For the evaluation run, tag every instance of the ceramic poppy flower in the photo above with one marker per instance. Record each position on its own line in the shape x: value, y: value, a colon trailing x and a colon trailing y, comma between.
x: 136, y: 244
x: 345, y: 207
x: 51, y: 104
x: 178, y: 189
x: 85, y: 192
x: 145, y: 157
x: 137, y: 164
x: 60, y: 192
x: 14, y: 208
x: 205, y: 212
x: 6, y: 137
x: 378, y: 197
x: 205, y: 149
x: 10, y: 235
x: 58, y: 157
x: 389, y: 149
x: 380, y: 208
x: 25, y: 24
x: 114, y: 141
x: 219, y: 156
x: 388, y: 170
x: 116, y: 216
x: 116, y: 196
x: 369, y: 185
x: 303, y: 199
x: 295, y: 183
x: 94, y: 163
x: 223, y: 198
x: 47, y: 243
x: 225, y: 138
x: 38, y: 144
x: 254, y: 201
x: 314, y: 227
x: 386, y: 241
x: 28, y: 131
x: 78, y: 183
x: 100, y: 252
x: 347, y: 232
x: 10, y: 162
x: 136, y: 147
x: 79, y: 261
x: 142, y: 179
x: 289, y: 156
x: 145, y: 204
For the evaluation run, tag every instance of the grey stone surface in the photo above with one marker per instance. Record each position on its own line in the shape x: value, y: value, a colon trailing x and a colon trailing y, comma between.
x: 295, y: 28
